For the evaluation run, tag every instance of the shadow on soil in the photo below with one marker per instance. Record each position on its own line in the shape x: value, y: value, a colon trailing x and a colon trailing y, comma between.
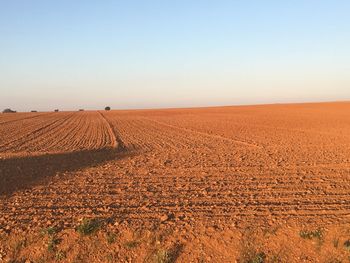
x: 23, y: 172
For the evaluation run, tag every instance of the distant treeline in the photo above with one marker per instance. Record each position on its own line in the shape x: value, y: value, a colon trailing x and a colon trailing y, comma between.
x: 8, y: 110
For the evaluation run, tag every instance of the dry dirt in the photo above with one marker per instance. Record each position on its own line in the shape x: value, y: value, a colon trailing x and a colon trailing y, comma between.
x: 266, y: 183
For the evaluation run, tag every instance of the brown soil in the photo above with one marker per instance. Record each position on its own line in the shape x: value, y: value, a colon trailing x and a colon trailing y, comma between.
x: 226, y: 184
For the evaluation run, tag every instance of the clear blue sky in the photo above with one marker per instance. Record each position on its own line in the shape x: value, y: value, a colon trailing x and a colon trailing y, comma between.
x: 139, y: 54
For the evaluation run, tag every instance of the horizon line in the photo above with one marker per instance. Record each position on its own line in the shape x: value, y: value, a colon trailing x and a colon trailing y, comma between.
x: 195, y: 107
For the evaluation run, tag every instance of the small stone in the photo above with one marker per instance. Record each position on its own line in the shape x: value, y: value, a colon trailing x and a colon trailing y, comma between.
x: 164, y: 218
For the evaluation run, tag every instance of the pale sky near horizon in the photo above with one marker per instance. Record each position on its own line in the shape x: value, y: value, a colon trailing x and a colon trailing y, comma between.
x: 149, y: 54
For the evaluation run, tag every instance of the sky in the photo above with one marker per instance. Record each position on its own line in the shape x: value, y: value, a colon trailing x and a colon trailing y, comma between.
x: 152, y: 54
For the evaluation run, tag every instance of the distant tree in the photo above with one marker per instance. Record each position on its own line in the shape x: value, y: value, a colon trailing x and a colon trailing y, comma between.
x: 81, y: 109
x: 34, y: 111
x: 8, y: 111
x: 108, y: 108
x: 56, y: 110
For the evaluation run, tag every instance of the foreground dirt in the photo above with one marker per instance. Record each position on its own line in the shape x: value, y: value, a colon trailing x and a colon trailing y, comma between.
x: 268, y: 183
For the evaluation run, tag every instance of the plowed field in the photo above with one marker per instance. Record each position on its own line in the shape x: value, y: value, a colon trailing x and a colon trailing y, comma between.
x: 222, y: 169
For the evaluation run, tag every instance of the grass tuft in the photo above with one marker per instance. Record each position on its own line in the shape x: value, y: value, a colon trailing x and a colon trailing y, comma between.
x: 318, y: 233
x: 250, y: 256
x: 88, y: 227
x: 60, y: 255
x: 52, y: 244
x: 50, y: 231
x: 162, y: 256
x: 111, y: 237
x: 132, y: 244
x: 251, y: 251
